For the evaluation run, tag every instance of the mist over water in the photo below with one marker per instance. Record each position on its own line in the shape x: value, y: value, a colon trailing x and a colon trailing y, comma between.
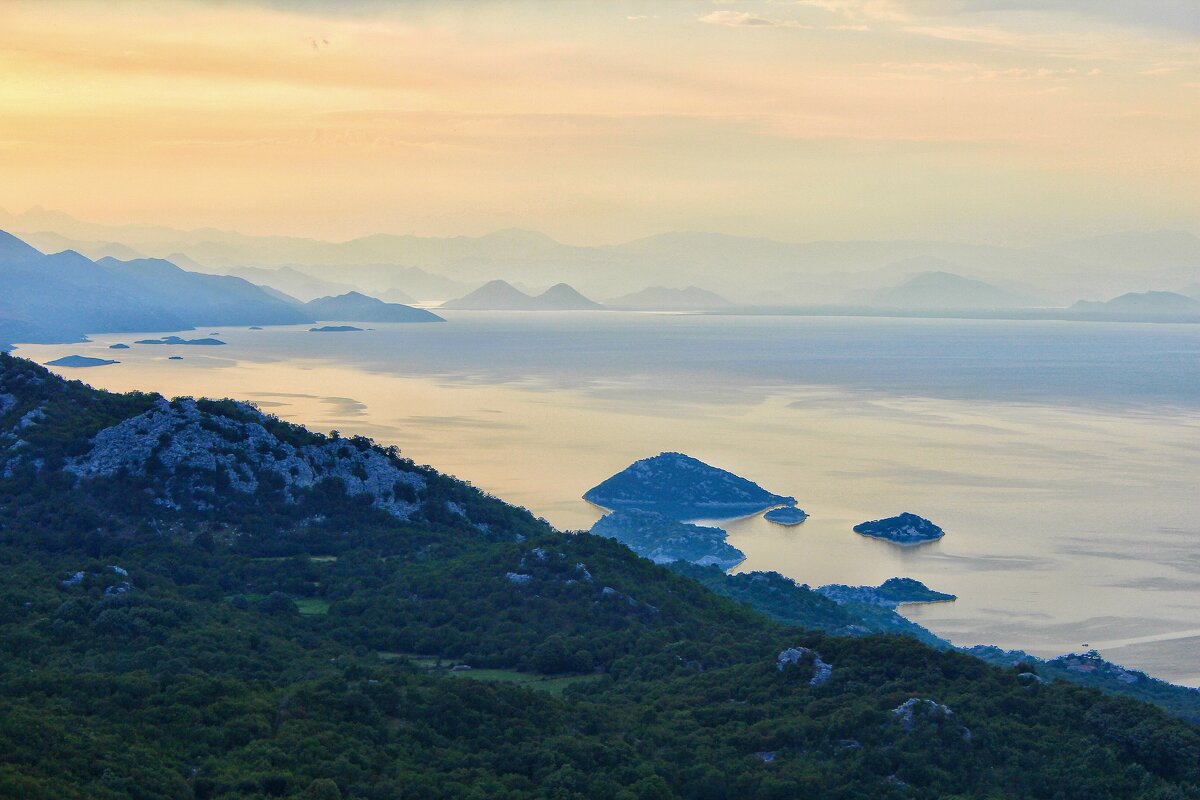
x: 1062, y: 459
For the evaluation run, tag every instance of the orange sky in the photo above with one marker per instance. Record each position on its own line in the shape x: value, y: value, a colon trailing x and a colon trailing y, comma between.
x: 994, y: 120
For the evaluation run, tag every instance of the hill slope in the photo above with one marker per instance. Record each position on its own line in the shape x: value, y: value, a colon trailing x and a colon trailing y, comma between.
x: 185, y: 616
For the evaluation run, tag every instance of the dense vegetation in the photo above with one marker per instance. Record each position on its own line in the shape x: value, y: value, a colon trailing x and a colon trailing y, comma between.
x: 307, y: 655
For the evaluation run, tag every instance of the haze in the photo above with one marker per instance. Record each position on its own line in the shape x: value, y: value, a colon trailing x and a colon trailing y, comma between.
x: 987, y: 121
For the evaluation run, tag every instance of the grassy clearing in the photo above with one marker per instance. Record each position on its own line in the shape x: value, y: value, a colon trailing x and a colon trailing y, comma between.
x: 555, y: 684
x: 250, y: 598
x: 312, y: 606
x: 314, y: 559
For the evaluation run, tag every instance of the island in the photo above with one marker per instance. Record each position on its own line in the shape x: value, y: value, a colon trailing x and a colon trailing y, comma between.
x: 118, y: 346
x: 905, y: 529
x: 664, y: 540
x: 174, y: 358
x: 334, y: 329
x: 786, y: 515
x: 80, y: 361
x: 889, y: 594
x: 208, y: 342
x: 682, y: 487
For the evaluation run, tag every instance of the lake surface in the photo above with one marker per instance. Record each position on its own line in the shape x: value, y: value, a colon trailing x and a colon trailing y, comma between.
x: 1062, y: 459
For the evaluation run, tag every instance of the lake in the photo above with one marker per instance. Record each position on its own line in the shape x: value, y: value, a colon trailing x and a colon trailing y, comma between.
x: 1061, y: 458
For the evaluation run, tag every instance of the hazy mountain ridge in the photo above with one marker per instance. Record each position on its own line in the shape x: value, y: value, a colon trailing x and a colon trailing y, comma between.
x: 63, y: 296
x: 744, y: 269
x: 662, y: 298
x: 945, y: 290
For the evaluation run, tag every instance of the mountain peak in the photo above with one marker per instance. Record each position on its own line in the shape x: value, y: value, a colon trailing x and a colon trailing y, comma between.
x: 563, y: 297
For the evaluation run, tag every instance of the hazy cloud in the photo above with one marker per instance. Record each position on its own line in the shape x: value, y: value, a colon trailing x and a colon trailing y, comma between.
x: 744, y: 19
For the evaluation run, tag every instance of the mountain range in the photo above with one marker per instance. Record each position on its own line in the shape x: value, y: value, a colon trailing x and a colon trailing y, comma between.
x: 743, y: 269
x: 62, y: 297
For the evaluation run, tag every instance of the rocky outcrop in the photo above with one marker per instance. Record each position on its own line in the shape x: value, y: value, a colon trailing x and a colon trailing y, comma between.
x: 905, y: 529
x: 179, y: 436
x: 682, y: 487
x: 889, y: 594
x: 915, y: 709
x: 664, y: 540
x: 799, y: 656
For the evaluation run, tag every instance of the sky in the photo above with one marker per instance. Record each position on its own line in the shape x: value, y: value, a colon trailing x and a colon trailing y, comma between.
x: 1003, y: 121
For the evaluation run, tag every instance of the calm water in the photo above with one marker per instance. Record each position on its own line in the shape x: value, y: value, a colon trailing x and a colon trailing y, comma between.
x: 1063, y: 459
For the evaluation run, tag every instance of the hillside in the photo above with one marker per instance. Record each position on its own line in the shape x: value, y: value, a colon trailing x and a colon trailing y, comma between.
x: 61, y: 297
x: 201, y: 601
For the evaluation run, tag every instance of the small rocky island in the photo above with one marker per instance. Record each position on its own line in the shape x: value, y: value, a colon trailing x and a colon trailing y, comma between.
x: 906, y: 529
x: 80, y: 361
x: 334, y: 329
x: 664, y: 540
x: 889, y: 594
x: 786, y: 515
x: 682, y: 487
x: 209, y: 342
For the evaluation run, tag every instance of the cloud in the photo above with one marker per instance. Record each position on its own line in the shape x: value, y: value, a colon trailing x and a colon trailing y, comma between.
x: 735, y: 19
x: 862, y: 9
x: 744, y: 19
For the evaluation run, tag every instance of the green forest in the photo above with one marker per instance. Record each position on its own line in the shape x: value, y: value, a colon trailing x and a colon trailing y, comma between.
x: 269, y: 645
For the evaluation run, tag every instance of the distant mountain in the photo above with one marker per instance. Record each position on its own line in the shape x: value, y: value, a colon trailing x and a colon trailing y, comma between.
x: 493, y: 295
x: 660, y: 298
x: 1141, y: 304
x: 1191, y: 290
x: 63, y: 296
x: 561, y: 297
x: 944, y: 290
x: 396, y: 296
x: 292, y: 282
x: 501, y: 295
x: 356, y: 307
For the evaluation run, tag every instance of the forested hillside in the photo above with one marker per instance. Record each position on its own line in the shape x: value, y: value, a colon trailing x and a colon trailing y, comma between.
x: 201, y: 601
